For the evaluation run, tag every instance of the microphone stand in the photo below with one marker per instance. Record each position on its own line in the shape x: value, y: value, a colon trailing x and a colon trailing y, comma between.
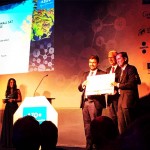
x: 39, y: 84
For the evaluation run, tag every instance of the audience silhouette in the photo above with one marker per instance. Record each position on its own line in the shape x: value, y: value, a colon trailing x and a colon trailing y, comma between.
x: 103, y: 131
x: 26, y: 134
x: 143, y: 106
x: 29, y: 134
x: 137, y: 135
x: 49, y: 135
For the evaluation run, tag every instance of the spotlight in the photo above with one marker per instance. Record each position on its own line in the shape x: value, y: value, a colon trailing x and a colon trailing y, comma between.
x: 143, y: 43
x: 144, y: 51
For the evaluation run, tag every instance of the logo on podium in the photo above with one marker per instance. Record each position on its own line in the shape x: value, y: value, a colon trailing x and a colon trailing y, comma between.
x: 39, y: 113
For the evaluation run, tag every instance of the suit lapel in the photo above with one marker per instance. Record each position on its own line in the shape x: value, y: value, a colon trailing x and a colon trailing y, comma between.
x: 108, y: 70
x: 118, y: 69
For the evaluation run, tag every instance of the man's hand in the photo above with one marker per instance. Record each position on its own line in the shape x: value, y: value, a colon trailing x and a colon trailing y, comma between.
x: 114, y: 84
x: 84, y: 84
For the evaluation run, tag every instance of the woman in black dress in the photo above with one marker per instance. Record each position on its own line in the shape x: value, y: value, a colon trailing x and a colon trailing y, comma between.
x: 13, y: 96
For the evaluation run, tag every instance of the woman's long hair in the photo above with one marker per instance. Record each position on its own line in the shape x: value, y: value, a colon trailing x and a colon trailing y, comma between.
x: 8, y: 90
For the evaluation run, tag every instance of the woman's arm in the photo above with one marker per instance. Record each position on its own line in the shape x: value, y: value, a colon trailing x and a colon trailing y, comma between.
x: 19, y: 99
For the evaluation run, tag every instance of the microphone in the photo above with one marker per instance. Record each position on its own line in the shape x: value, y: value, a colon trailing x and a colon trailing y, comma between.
x: 39, y: 84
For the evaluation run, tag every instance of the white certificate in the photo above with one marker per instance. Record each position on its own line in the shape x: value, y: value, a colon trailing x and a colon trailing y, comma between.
x: 100, y: 84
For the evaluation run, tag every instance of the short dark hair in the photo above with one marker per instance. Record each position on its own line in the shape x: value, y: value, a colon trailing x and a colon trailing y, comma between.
x: 103, y: 130
x: 124, y: 55
x: 26, y: 133
x: 49, y: 135
x: 94, y: 57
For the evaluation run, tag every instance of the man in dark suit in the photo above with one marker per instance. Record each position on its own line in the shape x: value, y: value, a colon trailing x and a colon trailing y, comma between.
x: 112, y: 100
x: 92, y: 105
x: 128, y: 89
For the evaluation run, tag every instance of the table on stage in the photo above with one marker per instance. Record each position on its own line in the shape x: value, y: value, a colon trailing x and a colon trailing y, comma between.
x: 50, y: 99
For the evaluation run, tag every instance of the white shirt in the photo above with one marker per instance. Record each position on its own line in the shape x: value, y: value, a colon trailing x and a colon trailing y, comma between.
x: 92, y: 73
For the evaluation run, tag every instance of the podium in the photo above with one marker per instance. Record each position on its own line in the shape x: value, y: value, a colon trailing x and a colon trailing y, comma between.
x: 38, y: 107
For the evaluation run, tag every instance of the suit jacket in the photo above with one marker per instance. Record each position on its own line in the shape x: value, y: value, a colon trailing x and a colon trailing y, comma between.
x: 128, y: 86
x: 115, y: 97
x: 95, y: 98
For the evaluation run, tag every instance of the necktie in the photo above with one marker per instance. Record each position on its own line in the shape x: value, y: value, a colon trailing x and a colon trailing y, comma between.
x: 113, y: 70
x: 122, y: 72
x: 91, y: 74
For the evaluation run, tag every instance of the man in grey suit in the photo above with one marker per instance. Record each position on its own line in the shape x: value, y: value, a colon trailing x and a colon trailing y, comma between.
x: 112, y: 100
x: 128, y: 89
x: 92, y: 105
